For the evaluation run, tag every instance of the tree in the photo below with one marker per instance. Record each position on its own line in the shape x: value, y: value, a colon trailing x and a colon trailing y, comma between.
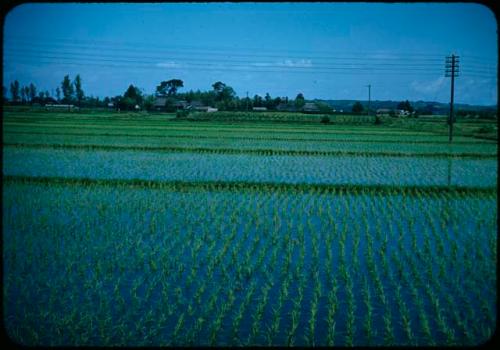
x: 78, y: 89
x: 131, y: 98
x: 4, y: 94
x: 14, y: 91
x: 405, y: 106
x: 323, y: 107
x: 227, y: 94
x: 257, y: 101
x: 58, y: 94
x: 268, y: 101
x: 149, y: 102
x: 218, y: 86
x: 67, y: 89
x: 169, y: 87
x: 277, y: 101
x: 32, y: 91
x: 134, y: 93
x: 24, y: 93
x: 357, y: 108
x: 300, y: 101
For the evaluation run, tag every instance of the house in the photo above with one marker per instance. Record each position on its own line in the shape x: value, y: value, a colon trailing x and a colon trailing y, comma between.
x: 205, y: 109
x: 403, y: 113
x: 284, y: 107
x: 160, y: 103
x: 310, y: 107
x: 384, y: 111
x: 195, y: 104
x: 61, y: 107
x: 259, y: 109
x: 111, y: 105
x: 181, y: 104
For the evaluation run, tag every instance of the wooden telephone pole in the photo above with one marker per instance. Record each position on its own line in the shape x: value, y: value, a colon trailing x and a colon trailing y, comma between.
x: 451, y: 71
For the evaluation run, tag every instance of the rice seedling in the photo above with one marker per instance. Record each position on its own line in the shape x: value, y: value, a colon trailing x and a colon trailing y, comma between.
x: 249, y: 235
x: 351, y: 311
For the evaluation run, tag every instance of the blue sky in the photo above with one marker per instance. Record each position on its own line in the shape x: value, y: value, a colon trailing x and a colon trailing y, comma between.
x: 324, y: 50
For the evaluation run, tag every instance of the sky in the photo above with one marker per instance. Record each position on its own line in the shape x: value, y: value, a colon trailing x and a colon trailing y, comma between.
x: 323, y: 50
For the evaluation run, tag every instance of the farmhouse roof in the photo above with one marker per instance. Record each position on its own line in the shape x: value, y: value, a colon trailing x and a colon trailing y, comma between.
x: 181, y: 103
x: 196, y: 103
x: 160, y: 102
x: 310, y: 107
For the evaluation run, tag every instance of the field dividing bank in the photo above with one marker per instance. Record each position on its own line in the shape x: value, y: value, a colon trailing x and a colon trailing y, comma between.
x: 111, y: 133
x: 179, y: 185
x: 217, y: 149
x: 203, y: 127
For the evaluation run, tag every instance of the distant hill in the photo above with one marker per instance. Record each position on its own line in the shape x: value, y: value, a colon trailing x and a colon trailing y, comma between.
x: 435, y: 107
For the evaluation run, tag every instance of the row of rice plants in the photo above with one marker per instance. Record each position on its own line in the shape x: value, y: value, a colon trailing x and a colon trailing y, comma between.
x: 241, y: 167
x: 56, y: 136
x: 274, y: 242
x: 267, y: 130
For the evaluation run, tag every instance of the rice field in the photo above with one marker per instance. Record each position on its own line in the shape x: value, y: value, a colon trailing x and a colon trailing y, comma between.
x: 389, y: 239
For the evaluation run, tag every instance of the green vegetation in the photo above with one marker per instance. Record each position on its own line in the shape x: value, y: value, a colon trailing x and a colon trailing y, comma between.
x: 149, y: 230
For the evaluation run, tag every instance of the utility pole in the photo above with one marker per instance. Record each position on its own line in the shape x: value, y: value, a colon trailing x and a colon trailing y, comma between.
x: 369, y: 97
x: 451, y: 71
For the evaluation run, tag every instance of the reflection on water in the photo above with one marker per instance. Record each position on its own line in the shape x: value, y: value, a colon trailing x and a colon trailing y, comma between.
x: 449, y: 171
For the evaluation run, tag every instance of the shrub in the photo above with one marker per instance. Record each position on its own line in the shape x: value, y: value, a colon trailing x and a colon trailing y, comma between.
x: 181, y: 114
x: 325, y: 120
x: 485, y: 129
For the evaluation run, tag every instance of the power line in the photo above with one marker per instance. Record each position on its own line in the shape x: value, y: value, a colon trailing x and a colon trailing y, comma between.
x: 343, y: 70
x: 236, y: 68
x: 248, y: 65
x: 389, y: 61
x: 100, y: 55
x: 71, y: 41
x: 261, y: 54
x: 340, y: 70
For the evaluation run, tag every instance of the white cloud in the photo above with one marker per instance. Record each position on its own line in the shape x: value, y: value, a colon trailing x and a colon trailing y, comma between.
x: 285, y: 63
x: 428, y: 87
x: 296, y: 63
x: 169, y: 64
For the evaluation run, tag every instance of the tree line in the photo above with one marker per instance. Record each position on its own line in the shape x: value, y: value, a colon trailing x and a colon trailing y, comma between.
x: 221, y: 96
x: 70, y: 92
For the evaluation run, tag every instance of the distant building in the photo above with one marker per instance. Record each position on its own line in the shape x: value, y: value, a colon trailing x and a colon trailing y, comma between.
x: 384, y: 111
x: 206, y: 109
x: 160, y: 103
x: 310, y: 107
x: 259, y: 109
x: 111, y: 105
x: 195, y: 104
x: 181, y: 104
x: 285, y: 107
x: 61, y: 107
